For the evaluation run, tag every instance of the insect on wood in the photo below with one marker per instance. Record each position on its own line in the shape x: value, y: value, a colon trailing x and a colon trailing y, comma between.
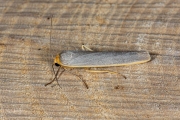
x: 92, y: 59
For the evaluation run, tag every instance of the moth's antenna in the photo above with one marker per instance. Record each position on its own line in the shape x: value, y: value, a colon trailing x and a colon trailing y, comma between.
x: 50, y: 35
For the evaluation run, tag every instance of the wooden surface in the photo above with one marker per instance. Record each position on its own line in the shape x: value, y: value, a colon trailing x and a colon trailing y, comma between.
x: 151, y: 90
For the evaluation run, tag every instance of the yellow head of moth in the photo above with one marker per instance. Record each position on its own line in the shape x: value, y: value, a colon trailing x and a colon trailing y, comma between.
x: 57, y: 60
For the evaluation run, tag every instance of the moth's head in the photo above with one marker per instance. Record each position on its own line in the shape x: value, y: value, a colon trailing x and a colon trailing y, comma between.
x: 57, y: 60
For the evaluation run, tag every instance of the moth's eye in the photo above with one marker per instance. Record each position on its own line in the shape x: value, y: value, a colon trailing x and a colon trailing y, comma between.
x: 56, y: 64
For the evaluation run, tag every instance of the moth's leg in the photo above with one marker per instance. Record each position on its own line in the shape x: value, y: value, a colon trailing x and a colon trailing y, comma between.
x: 85, y: 48
x: 59, y: 76
x: 56, y: 74
x: 105, y: 71
x: 78, y: 76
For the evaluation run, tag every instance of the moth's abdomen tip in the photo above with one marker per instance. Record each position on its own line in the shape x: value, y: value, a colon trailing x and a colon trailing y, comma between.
x: 146, y: 56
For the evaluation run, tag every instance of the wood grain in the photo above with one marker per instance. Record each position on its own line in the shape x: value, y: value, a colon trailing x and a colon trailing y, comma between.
x: 151, y: 90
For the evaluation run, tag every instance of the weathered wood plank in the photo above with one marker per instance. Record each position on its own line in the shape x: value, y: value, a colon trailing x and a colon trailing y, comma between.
x: 151, y: 90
